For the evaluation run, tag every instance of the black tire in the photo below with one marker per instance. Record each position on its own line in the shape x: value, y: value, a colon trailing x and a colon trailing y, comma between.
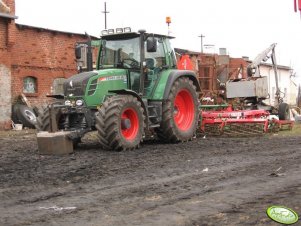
x: 26, y: 116
x: 284, y: 111
x: 120, y: 123
x: 173, y: 129
x: 43, y: 120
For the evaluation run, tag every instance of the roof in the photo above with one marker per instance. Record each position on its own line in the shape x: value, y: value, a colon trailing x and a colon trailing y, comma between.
x: 185, y: 51
x: 22, y: 26
x: 278, y: 66
x: 8, y: 16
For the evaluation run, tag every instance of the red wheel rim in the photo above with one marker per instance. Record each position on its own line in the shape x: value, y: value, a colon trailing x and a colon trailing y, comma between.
x: 131, y: 132
x: 184, y: 110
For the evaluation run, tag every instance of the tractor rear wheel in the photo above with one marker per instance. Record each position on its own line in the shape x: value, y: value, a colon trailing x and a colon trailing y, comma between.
x: 120, y: 123
x: 180, y: 112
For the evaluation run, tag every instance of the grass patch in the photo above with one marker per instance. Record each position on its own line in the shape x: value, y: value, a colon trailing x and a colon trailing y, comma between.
x: 294, y: 132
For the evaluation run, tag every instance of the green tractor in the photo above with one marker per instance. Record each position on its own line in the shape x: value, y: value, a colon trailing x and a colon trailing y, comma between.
x: 136, y: 90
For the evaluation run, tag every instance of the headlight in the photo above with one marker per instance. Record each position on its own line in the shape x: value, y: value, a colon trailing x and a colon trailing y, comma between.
x: 79, y: 103
x: 68, y: 102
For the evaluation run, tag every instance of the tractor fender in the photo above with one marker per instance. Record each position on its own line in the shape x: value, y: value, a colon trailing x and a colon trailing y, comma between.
x: 174, y: 75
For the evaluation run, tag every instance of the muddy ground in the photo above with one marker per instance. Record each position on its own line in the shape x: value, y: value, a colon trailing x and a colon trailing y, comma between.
x: 208, y: 181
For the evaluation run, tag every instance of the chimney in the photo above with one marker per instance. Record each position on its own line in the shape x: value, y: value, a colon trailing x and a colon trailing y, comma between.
x: 222, y: 51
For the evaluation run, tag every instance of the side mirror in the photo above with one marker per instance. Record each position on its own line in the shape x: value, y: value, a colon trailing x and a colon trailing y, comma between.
x: 78, y: 52
x: 151, y: 45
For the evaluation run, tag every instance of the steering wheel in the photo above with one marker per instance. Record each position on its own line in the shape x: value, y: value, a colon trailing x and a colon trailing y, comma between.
x: 130, y: 62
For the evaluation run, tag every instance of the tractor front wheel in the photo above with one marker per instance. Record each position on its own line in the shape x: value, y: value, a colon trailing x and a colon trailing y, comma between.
x: 120, y: 123
x: 180, y: 112
x: 43, y: 119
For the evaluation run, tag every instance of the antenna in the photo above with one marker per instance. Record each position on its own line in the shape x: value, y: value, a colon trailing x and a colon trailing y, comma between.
x: 105, y: 12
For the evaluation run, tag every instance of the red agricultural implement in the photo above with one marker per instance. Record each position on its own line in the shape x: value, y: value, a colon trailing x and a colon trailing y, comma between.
x: 297, y: 6
x: 229, y: 122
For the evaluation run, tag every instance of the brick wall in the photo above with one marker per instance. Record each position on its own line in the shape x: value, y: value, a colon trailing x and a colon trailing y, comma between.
x: 27, y: 51
x: 3, y: 34
x: 42, y: 54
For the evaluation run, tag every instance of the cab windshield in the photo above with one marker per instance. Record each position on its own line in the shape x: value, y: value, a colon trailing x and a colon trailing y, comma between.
x: 120, y: 54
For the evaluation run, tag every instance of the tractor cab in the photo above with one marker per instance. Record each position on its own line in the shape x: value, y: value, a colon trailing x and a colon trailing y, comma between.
x: 142, y: 55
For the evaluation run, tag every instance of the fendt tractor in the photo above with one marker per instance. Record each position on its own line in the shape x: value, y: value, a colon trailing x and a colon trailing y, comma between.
x: 135, y: 91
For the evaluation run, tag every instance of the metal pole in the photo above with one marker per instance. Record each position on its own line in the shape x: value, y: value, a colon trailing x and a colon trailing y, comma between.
x: 168, y: 21
x: 168, y: 31
x: 201, y: 36
x: 105, y: 12
x: 142, y: 56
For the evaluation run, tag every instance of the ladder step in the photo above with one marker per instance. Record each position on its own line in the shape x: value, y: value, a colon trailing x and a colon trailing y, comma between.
x: 154, y: 126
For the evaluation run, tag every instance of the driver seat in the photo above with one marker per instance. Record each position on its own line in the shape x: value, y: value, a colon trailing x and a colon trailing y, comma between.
x: 150, y: 63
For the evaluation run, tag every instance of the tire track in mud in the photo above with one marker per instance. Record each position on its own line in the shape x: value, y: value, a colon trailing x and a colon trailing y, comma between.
x: 158, y: 184
x: 130, y: 194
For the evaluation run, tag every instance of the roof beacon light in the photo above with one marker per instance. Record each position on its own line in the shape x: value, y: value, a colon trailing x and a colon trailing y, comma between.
x: 168, y: 20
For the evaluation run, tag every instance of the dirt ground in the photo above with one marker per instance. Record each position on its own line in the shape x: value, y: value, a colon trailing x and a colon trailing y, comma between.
x: 208, y: 181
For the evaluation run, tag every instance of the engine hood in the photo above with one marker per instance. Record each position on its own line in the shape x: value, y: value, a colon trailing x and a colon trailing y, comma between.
x: 76, y: 84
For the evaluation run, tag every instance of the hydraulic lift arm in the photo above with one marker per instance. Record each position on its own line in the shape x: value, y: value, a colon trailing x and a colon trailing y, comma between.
x: 253, y: 68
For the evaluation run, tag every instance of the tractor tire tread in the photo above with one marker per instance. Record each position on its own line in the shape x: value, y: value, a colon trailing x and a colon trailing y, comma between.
x: 107, y: 123
x: 167, y: 130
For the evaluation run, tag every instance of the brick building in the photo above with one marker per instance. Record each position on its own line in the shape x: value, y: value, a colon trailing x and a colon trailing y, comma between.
x: 214, y: 70
x: 32, y: 60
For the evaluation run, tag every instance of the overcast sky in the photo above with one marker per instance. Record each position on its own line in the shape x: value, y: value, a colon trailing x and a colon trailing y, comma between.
x: 244, y: 27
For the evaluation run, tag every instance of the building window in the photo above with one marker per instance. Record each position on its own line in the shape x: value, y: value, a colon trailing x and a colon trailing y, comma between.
x: 58, y: 86
x: 29, y: 85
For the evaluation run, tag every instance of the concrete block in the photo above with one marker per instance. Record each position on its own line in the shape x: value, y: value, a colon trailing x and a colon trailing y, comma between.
x: 57, y: 143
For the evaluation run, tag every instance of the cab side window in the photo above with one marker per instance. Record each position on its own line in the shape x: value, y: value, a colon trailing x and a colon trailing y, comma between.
x: 158, y: 57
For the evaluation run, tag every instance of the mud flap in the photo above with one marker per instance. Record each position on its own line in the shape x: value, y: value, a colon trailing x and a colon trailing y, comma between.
x: 57, y: 143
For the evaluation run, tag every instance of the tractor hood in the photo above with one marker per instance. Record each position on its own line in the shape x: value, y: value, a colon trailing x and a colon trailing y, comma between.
x: 94, y: 85
x: 76, y: 84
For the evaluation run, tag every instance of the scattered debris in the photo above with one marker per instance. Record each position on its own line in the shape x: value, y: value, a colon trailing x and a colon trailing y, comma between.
x: 205, y: 170
x: 16, y: 126
x: 57, y: 208
x: 276, y: 173
x: 24, y: 113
